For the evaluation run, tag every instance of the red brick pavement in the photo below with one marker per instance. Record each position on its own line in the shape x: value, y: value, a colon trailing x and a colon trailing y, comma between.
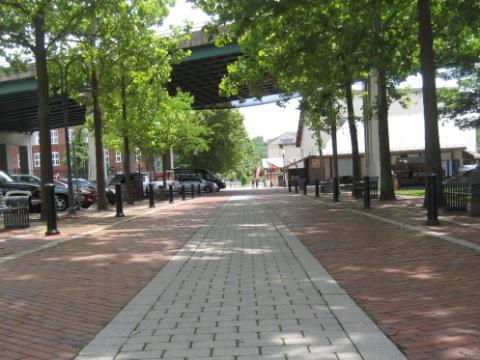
x: 56, y: 300
x: 421, y: 290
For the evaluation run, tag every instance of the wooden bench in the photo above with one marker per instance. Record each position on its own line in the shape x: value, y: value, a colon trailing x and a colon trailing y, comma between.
x: 16, y: 211
x: 458, y: 192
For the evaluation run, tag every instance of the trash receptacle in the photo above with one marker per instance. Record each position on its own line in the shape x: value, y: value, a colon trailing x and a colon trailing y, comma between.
x: 160, y: 194
x: 301, y: 183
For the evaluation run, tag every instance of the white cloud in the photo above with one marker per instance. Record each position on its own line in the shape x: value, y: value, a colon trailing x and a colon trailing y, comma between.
x: 183, y: 11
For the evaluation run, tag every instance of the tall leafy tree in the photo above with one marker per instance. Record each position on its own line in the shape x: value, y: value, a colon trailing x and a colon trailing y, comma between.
x: 260, y: 147
x: 293, y: 51
x: 457, y: 48
x: 433, y: 160
x: 34, y: 29
x: 224, y: 144
x: 309, y: 45
x: 131, y: 63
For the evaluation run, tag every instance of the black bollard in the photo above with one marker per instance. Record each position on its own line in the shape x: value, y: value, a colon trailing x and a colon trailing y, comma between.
x: 150, y: 195
x: 336, y: 189
x: 170, y: 193
x: 51, y: 209
x: 305, y: 187
x: 432, y: 218
x: 199, y: 192
x: 119, y: 201
x: 182, y: 189
x: 289, y: 186
x: 317, y: 188
x: 366, y: 192
x: 296, y: 186
x: 193, y: 191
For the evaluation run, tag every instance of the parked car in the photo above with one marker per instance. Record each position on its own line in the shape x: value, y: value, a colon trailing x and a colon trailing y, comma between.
x: 464, y: 170
x: 202, y: 174
x: 26, y: 178
x: 91, y: 195
x: 176, y: 186
x: 7, y: 184
x: 138, y: 187
x: 62, y: 196
x: 85, y: 184
x: 61, y: 191
x: 207, y: 186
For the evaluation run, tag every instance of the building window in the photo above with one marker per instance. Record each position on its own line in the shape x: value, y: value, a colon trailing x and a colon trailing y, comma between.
x: 54, y: 136
x: 36, y: 159
x: 36, y: 138
x: 118, y: 157
x: 18, y: 161
x: 71, y: 133
x: 138, y: 155
x: 55, y: 158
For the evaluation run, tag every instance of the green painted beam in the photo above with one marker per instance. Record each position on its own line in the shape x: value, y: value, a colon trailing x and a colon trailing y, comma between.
x: 14, y: 86
x: 211, y: 50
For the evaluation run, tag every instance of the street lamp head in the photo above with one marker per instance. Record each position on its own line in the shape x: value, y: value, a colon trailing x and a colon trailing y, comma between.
x: 87, y: 92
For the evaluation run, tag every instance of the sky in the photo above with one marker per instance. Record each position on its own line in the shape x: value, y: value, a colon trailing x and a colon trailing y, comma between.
x: 267, y: 120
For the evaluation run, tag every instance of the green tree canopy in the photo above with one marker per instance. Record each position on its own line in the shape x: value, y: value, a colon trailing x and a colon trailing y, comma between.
x: 223, y: 147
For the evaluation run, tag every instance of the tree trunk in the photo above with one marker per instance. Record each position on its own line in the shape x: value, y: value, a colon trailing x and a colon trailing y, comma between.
x: 387, y: 191
x: 99, y: 153
x: 353, y: 134
x: 43, y: 108
x: 126, y: 169
x: 126, y: 145
x: 433, y: 159
x: 334, y: 150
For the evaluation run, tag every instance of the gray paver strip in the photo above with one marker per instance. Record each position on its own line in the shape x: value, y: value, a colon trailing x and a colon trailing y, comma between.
x: 243, y: 287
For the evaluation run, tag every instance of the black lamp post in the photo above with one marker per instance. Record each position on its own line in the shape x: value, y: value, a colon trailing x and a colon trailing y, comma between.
x: 64, y: 90
x: 195, y: 154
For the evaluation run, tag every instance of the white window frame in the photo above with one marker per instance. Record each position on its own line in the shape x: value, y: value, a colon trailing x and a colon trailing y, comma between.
x: 54, y: 136
x: 36, y: 160
x: 118, y: 157
x: 70, y: 135
x: 36, y: 138
x: 55, y: 158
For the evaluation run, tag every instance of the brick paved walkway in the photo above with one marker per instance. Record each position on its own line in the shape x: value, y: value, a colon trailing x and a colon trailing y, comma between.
x: 419, y: 284
x: 422, y: 290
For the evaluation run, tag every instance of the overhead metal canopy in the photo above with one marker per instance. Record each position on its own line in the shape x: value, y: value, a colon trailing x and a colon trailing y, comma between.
x: 19, y: 108
x: 202, y: 72
x: 200, y: 75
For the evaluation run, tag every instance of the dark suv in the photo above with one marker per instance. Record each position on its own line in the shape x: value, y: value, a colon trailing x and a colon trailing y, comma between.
x: 8, y: 185
x: 138, y: 189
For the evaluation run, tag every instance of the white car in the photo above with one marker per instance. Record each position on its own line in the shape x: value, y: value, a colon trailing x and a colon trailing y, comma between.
x: 176, y: 186
x: 464, y: 170
x: 207, y: 186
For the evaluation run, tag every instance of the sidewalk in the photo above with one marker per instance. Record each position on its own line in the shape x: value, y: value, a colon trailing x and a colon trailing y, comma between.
x: 419, y: 284
x: 242, y: 288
